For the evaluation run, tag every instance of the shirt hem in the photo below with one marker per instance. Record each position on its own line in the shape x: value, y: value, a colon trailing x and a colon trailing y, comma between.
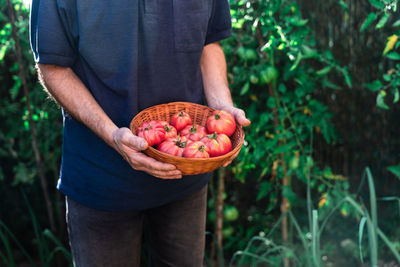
x: 218, y: 36
x: 92, y: 203
x: 58, y: 60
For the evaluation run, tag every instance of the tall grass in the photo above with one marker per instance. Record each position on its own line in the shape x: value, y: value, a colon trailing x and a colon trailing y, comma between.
x: 47, y: 245
x: 310, y: 247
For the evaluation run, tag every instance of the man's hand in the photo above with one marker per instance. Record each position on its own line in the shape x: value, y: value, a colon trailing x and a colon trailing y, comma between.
x: 238, y: 114
x: 216, y: 90
x: 240, y: 117
x: 130, y: 147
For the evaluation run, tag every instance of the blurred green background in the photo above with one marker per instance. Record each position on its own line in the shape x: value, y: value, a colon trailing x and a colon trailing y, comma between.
x: 317, y: 181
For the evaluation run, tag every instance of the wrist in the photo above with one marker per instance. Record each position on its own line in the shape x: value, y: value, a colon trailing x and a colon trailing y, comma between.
x: 110, y: 137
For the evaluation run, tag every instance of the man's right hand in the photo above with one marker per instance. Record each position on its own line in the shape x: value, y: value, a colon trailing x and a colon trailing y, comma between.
x: 130, y: 147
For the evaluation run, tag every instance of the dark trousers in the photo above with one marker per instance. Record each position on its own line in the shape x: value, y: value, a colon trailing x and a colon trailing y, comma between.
x: 176, y: 234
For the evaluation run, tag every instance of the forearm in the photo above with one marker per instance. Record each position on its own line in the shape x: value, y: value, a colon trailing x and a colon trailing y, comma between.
x: 213, y: 68
x: 69, y: 91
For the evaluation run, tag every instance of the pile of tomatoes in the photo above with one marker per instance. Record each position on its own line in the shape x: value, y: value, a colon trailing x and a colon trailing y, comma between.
x: 181, y: 138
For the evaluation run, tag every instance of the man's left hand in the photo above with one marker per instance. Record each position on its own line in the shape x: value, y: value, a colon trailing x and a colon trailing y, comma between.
x: 240, y: 117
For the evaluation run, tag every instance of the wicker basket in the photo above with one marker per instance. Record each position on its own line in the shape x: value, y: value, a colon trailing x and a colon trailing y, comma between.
x: 199, y: 115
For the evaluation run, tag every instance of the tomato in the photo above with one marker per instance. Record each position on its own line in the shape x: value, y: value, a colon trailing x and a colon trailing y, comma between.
x: 194, y: 132
x: 148, y: 123
x: 268, y: 75
x: 228, y: 231
x: 219, y: 144
x: 231, y: 213
x: 196, y: 149
x: 174, y: 146
x: 180, y: 120
x: 221, y: 122
x: 170, y: 131
x: 153, y: 132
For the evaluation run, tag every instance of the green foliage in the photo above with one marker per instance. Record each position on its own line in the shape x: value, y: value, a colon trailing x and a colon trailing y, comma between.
x: 19, y: 167
x: 47, y: 244
x: 16, y: 147
x: 390, y: 79
x: 276, y: 73
x: 308, y: 245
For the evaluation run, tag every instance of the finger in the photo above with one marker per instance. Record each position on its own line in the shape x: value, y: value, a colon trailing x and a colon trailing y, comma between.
x: 162, y: 174
x: 229, y: 162
x: 240, y: 117
x: 134, y: 141
x: 226, y: 164
x: 152, y: 164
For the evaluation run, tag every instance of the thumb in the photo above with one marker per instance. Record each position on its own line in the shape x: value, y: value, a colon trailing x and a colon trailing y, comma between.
x: 137, y: 142
x: 240, y: 117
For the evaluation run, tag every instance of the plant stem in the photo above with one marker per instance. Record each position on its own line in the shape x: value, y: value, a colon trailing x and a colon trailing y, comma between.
x: 285, y: 179
x: 32, y: 127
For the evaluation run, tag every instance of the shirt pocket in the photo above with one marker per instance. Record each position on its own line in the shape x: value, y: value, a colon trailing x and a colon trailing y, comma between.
x: 190, y: 24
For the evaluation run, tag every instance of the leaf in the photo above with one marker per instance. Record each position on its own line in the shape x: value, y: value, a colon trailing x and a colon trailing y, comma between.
x: 393, y: 56
x: 387, y: 77
x: 298, y: 21
x: 395, y: 169
x: 265, y: 188
x: 3, y: 50
x: 374, y: 86
x: 297, y: 61
x: 308, y: 52
x: 343, y: 5
x: 390, y: 43
x: 245, y: 88
x: 288, y: 193
x: 380, y: 100
x: 329, y: 84
x: 360, y: 235
x: 347, y: 77
x: 396, y: 95
x: 371, y: 17
x: 324, y: 71
x: 382, y: 21
x: 377, y: 4
x: 396, y: 24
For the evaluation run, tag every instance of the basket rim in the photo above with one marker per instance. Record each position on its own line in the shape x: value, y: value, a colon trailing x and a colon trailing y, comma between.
x: 188, y: 160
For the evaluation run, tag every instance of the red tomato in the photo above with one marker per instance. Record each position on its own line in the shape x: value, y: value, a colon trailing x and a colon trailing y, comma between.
x: 174, y: 146
x: 196, y: 149
x: 170, y: 131
x: 221, y: 122
x: 219, y: 144
x: 148, y: 123
x: 153, y: 132
x: 180, y: 120
x: 194, y: 132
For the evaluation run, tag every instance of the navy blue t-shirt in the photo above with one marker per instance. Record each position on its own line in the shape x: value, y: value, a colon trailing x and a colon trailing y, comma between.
x: 131, y: 54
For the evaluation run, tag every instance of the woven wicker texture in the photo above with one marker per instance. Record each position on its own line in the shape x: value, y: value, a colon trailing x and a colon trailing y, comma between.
x: 199, y: 115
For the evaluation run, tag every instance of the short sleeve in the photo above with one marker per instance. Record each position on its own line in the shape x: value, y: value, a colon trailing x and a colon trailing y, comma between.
x: 220, y: 26
x: 52, y: 34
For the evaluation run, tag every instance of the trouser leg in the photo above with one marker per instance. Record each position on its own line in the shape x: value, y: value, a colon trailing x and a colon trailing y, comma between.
x: 177, y: 231
x: 102, y: 238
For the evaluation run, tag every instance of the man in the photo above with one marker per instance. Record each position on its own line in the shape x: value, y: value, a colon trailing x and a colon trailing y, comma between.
x: 103, y: 62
